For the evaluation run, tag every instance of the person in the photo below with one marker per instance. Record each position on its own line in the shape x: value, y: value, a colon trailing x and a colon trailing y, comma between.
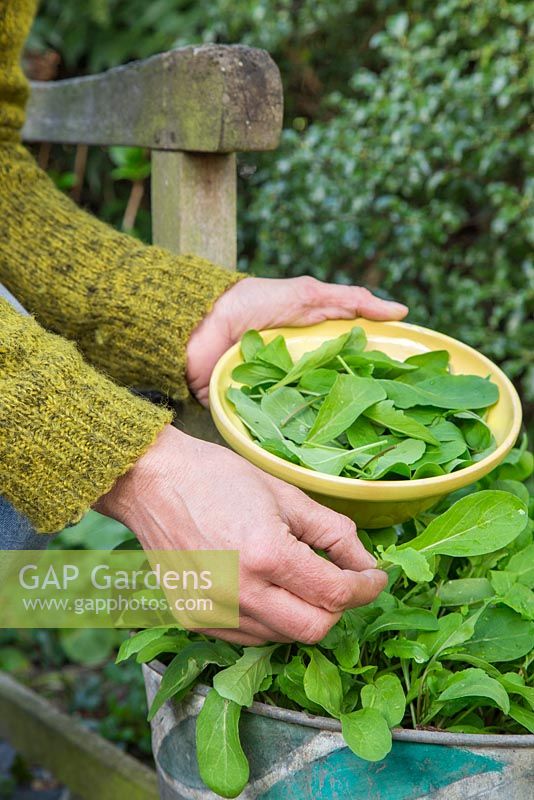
x: 111, y: 313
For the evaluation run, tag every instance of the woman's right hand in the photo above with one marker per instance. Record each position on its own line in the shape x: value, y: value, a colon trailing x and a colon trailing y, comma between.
x: 187, y: 494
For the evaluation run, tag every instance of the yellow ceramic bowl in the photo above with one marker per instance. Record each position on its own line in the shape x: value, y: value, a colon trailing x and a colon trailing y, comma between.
x: 381, y: 503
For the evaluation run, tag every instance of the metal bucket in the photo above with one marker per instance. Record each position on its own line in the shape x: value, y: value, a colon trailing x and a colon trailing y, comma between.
x: 294, y: 756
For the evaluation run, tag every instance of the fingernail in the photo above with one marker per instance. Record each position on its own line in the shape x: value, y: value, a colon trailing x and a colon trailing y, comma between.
x: 396, y: 306
x: 371, y: 560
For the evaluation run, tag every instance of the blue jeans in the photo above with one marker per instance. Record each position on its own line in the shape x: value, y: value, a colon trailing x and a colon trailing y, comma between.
x: 16, y: 532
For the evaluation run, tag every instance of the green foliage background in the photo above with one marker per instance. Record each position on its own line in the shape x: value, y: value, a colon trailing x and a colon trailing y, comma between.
x: 406, y: 160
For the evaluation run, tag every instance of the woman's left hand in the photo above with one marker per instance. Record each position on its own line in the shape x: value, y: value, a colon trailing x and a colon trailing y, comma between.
x: 270, y: 303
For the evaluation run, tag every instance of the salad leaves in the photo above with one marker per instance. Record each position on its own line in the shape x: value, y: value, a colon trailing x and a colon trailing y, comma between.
x: 422, y: 420
x: 448, y: 645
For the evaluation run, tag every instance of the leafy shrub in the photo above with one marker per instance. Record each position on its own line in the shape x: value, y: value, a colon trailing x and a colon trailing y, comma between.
x: 418, y: 183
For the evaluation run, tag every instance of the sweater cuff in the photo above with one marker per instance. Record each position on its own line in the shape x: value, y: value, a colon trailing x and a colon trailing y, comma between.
x: 143, y: 312
x: 66, y: 431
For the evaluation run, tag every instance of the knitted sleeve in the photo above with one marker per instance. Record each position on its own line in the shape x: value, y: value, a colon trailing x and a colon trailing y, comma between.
x: 131, y: 308
x: 66, y: 432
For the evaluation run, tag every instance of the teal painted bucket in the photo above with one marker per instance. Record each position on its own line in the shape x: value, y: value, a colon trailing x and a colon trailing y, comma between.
x: 295, y: 756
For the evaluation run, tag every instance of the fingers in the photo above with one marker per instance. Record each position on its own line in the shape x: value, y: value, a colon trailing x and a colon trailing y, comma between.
x: 291, y: 565
x: 234, y: 637
x: 339, y: 300
x: 293, y: 618
x: 372, y: 307
x: 324, y: 529
x: 250, y: 632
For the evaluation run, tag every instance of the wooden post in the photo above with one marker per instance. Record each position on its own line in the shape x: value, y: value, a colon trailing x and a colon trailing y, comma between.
x: 194, y: 204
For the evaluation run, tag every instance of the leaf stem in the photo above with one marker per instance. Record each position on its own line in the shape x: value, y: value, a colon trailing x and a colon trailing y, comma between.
x: 297, y: 411
x: 345, y: 365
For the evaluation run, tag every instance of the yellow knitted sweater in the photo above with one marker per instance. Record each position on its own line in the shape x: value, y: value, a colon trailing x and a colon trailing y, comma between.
x: 66, y: 430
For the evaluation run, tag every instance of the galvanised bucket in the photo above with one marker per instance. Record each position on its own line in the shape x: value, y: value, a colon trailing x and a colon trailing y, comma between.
x: 295, y: 756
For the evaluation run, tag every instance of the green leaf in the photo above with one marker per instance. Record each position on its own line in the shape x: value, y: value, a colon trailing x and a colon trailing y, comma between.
x: 475, y: 683
x: 222, y: 764
x: 347, y: 652
x: 464, y: 591
x: 501, y: 635
x: 167, y: 644
x: 444, y: 453
x: 521, y: 599
x: 253, y: 417
x: 87, y: 646
x: 255, y: 373
x: 322, y: 683
x: 522, y: 564
x: 435, y: 359
x: 427, y: 471
x: 141, y: 639
x: 477, y: 524
x: 367, y: 733
x: 383, y: 365
x: 314, y: 359
x: 291, y: 683
x: 387, y: 696
x: 278, y: 447
x: 243, y: 679
x: 331, y: 460
x: 276, y: 354
x: 444, y: 391
x: 187, y: 666
x: 413, y: 564
x: 403, y: 619
x: 361, y: 432
x: 477, y: 434
x: 290, y: 411
x: 251, y: 342
x: 517, y: 466
x: 347, y: 399
x: 514, y: 487
x: 356, y: 342
x: 522, y: 715
x: 384, y: 413
x: 452, y: 631
x: 398, y: 459
x: 406, y: 648
x: 318, y: 381
x: 514, y: 684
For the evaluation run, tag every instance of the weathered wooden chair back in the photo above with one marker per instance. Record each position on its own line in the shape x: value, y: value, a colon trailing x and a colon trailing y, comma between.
x: 194, y: 108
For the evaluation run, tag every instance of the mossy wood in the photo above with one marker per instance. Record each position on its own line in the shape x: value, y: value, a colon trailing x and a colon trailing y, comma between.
x: 91, y: 767
x: 210, y: 99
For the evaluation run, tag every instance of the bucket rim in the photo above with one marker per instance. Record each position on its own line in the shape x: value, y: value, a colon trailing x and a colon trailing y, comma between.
x: 447, y: 738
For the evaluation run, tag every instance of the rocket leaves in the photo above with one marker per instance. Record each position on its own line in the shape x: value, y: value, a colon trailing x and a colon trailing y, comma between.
x: 349, y: 397
x: 320, y: 411
x: 447, y: 644
x: 476, y: 524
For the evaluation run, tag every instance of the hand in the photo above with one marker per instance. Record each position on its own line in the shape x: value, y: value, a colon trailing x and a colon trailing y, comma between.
x: 188, y: 494
x: 269, y: 303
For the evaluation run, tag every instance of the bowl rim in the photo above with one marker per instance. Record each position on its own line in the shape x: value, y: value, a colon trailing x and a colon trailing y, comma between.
x: 353, y: 488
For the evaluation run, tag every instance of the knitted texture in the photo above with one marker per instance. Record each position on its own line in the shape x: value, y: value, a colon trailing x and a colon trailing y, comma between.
x: 66, y: 432
x: 131, y: 308
x: 15, y: 21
